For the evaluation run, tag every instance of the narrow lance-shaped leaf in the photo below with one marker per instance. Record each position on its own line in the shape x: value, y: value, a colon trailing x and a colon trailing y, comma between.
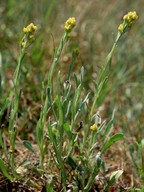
x: 28, y: 145
x: 3, y: 108
x: 50, y: 103
x: 68, y: 130
x: 75, y: 100
x: 4, y: 170
x: 112, y: 140
x: 94, y: 174
x: 108, y: 129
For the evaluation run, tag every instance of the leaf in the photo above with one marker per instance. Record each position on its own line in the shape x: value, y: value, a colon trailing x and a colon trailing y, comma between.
x: 76, y: 100
x: 49, y: 187
x: 39, y: 131
x: 113, y: 178
x: 142, y: 143
x: 68, y: 109
x: 116, y: 174
x: 60, y: 111
x: 3, y: 169
x: 28, y: 145
x: 5, y: 105
x: 108, y: 129
x: 71, y: 65
x: 3, y: 147
x: 68, y: 130
x: 73, y: 164
x: 81, y: 105
x: 76, y: 80
x: 84, y: 101
x: 50, y: 102
x: 82, y: 76
x: 94, y: 174
x: 112, y: 140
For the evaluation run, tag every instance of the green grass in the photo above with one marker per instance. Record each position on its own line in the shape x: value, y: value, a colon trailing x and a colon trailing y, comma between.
x: 56, y: 96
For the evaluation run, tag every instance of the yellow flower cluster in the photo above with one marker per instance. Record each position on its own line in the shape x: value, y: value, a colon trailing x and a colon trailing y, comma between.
x: 29, y: 35
x: 128, y: 20
x: 94, y: 127
x: 31, y: 28
x: 70, y: 24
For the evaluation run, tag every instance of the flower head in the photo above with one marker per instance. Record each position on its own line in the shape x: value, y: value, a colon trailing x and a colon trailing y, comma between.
x: 28, y: 37
x: 128, y: 21
x: 31, y: 28
x: 94, y: 127
x: 70, y: 24
x: 130, y: 18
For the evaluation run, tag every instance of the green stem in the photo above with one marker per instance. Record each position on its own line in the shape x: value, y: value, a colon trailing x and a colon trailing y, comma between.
x: 103, y: 73
x: 56, y: 58
x: 14, y: 108
x: 44, y: 111
x: 17, y: 71
x: 108, y: 60
x: 101, y: 81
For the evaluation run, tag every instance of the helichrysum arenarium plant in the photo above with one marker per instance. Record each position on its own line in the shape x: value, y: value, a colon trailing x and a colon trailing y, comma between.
x: 68, y: 129
x: 27, y: 39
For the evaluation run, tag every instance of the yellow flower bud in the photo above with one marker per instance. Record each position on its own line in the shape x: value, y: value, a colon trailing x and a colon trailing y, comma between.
x: 25, y: 30
x: 70, y: 24
x: 94, y: 127
x: 23, y: 44
x: 121, y: 27
x: 32, y: 27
